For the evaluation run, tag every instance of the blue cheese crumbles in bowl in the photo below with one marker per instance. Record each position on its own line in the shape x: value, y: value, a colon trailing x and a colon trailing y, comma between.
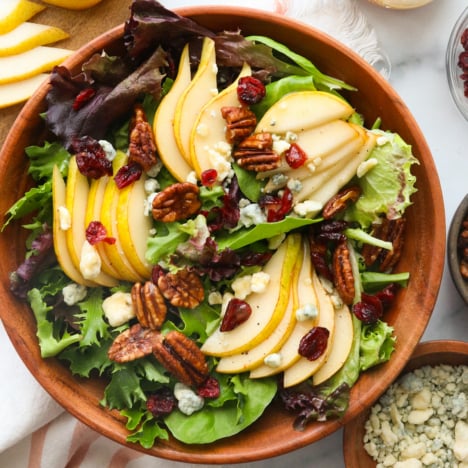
x: 421, y: 419
x: 114, y: 359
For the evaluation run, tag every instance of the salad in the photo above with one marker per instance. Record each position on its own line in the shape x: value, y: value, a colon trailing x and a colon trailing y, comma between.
x: 213, y: 227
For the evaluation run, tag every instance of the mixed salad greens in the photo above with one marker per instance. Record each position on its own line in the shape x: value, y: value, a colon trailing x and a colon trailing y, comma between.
x: 216, y: 243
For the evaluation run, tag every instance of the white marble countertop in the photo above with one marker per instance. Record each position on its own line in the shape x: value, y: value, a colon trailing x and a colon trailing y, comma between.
x: 415, y: 42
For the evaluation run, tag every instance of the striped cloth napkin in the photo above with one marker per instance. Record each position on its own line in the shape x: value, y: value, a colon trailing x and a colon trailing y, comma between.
x: 35, y: 431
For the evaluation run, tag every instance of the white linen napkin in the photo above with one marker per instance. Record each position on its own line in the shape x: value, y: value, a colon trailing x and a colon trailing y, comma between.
x: 35, y: 432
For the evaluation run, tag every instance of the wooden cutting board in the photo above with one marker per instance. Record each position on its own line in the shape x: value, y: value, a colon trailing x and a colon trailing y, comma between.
x: 82, y: 26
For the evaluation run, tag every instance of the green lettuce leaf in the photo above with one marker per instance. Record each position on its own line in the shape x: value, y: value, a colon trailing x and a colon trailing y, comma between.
x: 376, y: 345
x: 388, y: 186
x: 83, y: 361
x: 44, y: 158
x: 210, y: 424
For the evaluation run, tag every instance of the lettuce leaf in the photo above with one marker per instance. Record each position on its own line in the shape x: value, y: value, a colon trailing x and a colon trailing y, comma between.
x: 213, y: 423
x: 376, y: 345
x: 387, y: 187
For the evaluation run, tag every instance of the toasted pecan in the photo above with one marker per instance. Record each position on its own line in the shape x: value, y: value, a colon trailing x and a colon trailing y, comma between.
x: 343, y: 276
x: 150, y: 306
x: 255, y: 153
x: 182, y: 289
x: 240, y: 122
x: 142, y: 147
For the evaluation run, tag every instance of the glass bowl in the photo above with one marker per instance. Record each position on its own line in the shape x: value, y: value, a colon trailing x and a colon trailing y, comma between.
x: 454, y: 48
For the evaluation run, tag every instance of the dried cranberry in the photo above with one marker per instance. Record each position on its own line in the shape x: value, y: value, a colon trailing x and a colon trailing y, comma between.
x: 97, y: 232
x: 387, y: 294
x: 255, y: 258
x: 156, y: 273
x: 277, y: 207
x: 250, y: 90
x: 226, y: 216
x: 237, y: 312
x: 128, y: 174
x: 369, y: 309
x: 295, y: 156
x: 209, y: 388
x: 161, y: 403
x: 314, y: 343
x: 90, y: 157
x: 82, y: 98
x: 209, y: 177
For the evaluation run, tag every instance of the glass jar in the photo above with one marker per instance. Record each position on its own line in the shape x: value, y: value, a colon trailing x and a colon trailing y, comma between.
x: 401, y: 4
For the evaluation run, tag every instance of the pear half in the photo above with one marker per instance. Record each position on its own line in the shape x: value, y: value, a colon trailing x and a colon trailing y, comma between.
x: 268, y: 307
x: 163, y: 125
x: 210, y: 127
x: 301, y: 110
x: 200, y: 90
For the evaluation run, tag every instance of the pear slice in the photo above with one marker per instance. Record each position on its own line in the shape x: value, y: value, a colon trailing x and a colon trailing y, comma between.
x: 303, y: 368
x: 97, y: 189
x: 133, y: 226
x: 268, y: 307
x: 254, y: 357
x: 200, y: 90
x: 73, y: 4
x: 30, y: 63
x: 210, y: 127
x: 341, y: 346
x: 115, y: 252
x: 20, y: 91
x: 301, y: 110
x: 28, y: 36
x: 303, y: 293
x: 323, y: 185
x: 15, y: 12
x: 60, y: 239
x: 163, y: 126
x: 76, y: 200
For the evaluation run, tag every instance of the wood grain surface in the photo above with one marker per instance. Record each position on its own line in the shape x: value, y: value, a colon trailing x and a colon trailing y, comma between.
x: 82, y: 26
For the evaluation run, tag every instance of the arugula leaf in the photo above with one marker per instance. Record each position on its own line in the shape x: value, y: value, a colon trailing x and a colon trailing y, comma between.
x: 44, y: 158
x: 48, y: 343
x: 375, y: 281
x: 248, y: 183
x: 325, y: 81
x: 261, y: 231
x: 91, y: 319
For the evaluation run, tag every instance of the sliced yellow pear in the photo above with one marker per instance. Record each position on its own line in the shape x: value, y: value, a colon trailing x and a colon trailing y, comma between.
x: 253, y: 357
x: 304, y: 368
x: 115, y: 252
x: 73, y: 4
x: 15, y: 12
x: 60, y: 240
x: 32, y: 62
x: 163, y: 126
x: 28, y: 36
x: 200, y: 90
x: 341, y: 346
x: 210, y: 127
x: 133, y: 225
x: 304, y: 295
x: 76, y: 201
x: 322, y: 186
x: 20, y: 91
x: 97, y: 189
x: 268, y: 307
x: 301, y: 110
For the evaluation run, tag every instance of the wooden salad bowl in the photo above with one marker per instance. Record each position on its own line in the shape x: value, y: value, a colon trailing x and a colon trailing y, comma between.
x: 423, y: 255
x: 429, y: 353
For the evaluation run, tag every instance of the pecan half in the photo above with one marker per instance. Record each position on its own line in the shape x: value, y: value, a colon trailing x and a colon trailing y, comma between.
x: 340, y: 201
x: 149, y: 304
x: 255, y: 153
x: 391, y: 231
x: 142, y: 147
x: 133, y: 343
x: 176, y: 202
x: 240, y: 123
x: 343, y: 277
x: 182, y: 289
x: 182, y: 358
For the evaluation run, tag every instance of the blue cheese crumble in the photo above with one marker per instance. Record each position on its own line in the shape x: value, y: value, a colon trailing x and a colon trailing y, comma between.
x: 421, y: 420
